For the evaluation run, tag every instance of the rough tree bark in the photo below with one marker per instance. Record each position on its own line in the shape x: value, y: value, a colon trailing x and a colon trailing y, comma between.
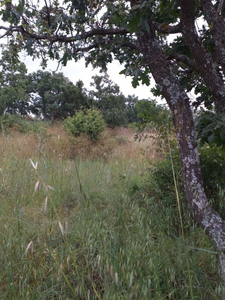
x: 216, y: 22
x: 179, y: 104
x: 203, y: 58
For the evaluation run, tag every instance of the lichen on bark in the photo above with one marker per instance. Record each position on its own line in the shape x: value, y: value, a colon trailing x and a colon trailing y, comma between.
x: 179, y: 104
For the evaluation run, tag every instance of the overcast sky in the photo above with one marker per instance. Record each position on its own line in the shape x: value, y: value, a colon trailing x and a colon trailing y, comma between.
x: 77, y: 71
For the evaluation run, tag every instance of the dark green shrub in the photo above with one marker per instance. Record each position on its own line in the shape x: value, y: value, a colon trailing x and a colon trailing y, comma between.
x: 75, y: 124
x: 213, y: 171
x: 154, y: 189
x: 88, y: 121
x: 210, y: 128
x: 23, y: 125
x: 115, y: 117
x: 163, y: 181
x: 9, y: 120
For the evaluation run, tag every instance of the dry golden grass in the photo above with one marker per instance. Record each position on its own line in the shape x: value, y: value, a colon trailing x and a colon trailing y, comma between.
x: 56, y: 143
x: 97, y: 227
x: 130, y: 148
x: 18, y: 145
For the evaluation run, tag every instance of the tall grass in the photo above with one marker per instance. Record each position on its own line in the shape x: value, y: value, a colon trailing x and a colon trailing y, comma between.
x: 80, y: 224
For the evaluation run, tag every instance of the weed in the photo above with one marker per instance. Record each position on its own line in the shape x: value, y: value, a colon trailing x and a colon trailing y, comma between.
x: 78, y: 224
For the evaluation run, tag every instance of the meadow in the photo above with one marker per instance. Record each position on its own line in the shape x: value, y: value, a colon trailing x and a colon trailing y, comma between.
x: 81, y: 220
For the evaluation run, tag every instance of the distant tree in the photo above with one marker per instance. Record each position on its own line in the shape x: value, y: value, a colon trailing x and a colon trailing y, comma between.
x: 155, y: 117
x: 108, y: 98
x: 148, y: 111
x: 54, y: 95
x: 131, y: 109
x: 14, y: 97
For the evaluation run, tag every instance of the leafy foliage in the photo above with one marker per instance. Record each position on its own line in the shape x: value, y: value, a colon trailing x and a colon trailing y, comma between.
x: 108, y: 98
x: 210, y: 128
x: 100, y: 31
x: 213, y: 171
x: 87, y: 121
x: 157, y: 118
x: 151, y: 112
x: 54, y: 95
x: 21, y: 124
x: 13, y: 83
x: 9, y: 120
x: 103, y: 30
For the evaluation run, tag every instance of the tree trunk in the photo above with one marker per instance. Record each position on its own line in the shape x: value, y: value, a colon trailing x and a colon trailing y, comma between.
x: 204, y: 59
x: 179, y: 104
x: 216, y: 21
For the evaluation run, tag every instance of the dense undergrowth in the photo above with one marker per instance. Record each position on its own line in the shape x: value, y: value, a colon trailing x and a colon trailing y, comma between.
x: 91, y: 220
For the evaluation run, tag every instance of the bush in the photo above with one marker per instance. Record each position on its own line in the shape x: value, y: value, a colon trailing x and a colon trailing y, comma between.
x: 88, y: 121
x: 115, y: 117
x: 213, y: 171
x: 210, y: 128
x: 9, y: 120
x: 21, y: 124
x: 154, y: 189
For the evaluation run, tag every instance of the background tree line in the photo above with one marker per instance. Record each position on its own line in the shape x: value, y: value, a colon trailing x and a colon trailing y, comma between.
x: 50, y: 95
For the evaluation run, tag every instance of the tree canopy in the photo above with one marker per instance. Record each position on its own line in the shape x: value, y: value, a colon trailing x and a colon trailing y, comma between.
x: 108, y: 98
x: 55, y: 96
x: 51, y: 95
x: 136, y: 33
x: 13, y: 84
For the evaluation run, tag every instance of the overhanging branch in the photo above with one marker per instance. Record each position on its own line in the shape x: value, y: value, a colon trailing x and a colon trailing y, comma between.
x: 64, y: 38
x: 184, y: 59
x: 103, y: 43
x: 7, y: 31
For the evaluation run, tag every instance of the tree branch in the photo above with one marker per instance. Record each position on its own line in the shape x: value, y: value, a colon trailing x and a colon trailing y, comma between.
x: 102, y: 43
x: 185, y: 59
x: 202, y: 57
x: 7, y: 31
x: 48, y: 14
x: 220, y: 6
x: 167, y: 29
x: 217, y: 24
x: 64, y: 38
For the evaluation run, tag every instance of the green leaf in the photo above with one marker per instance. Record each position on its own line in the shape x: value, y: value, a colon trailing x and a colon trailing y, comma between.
x: 135, y: 82
x: 29, y: 45
x: 145, y: 25
x: 145, y: 79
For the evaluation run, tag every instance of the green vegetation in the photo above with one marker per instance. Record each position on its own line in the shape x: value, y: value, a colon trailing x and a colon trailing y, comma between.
x: 123, y: 256
x: 149, y: 38
x: 83, y: 220
x: 210, y: 128
x: 9, y: 122
x: 213, y: 170
x: 52, y: 96
x: 13, y: 83
x: 114, y: 106
x: 89, y: 122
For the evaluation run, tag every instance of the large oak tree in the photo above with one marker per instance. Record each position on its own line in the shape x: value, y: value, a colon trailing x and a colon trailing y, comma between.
x: 54, y: 96
x: 135, y: 33
x: 13, y: 84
